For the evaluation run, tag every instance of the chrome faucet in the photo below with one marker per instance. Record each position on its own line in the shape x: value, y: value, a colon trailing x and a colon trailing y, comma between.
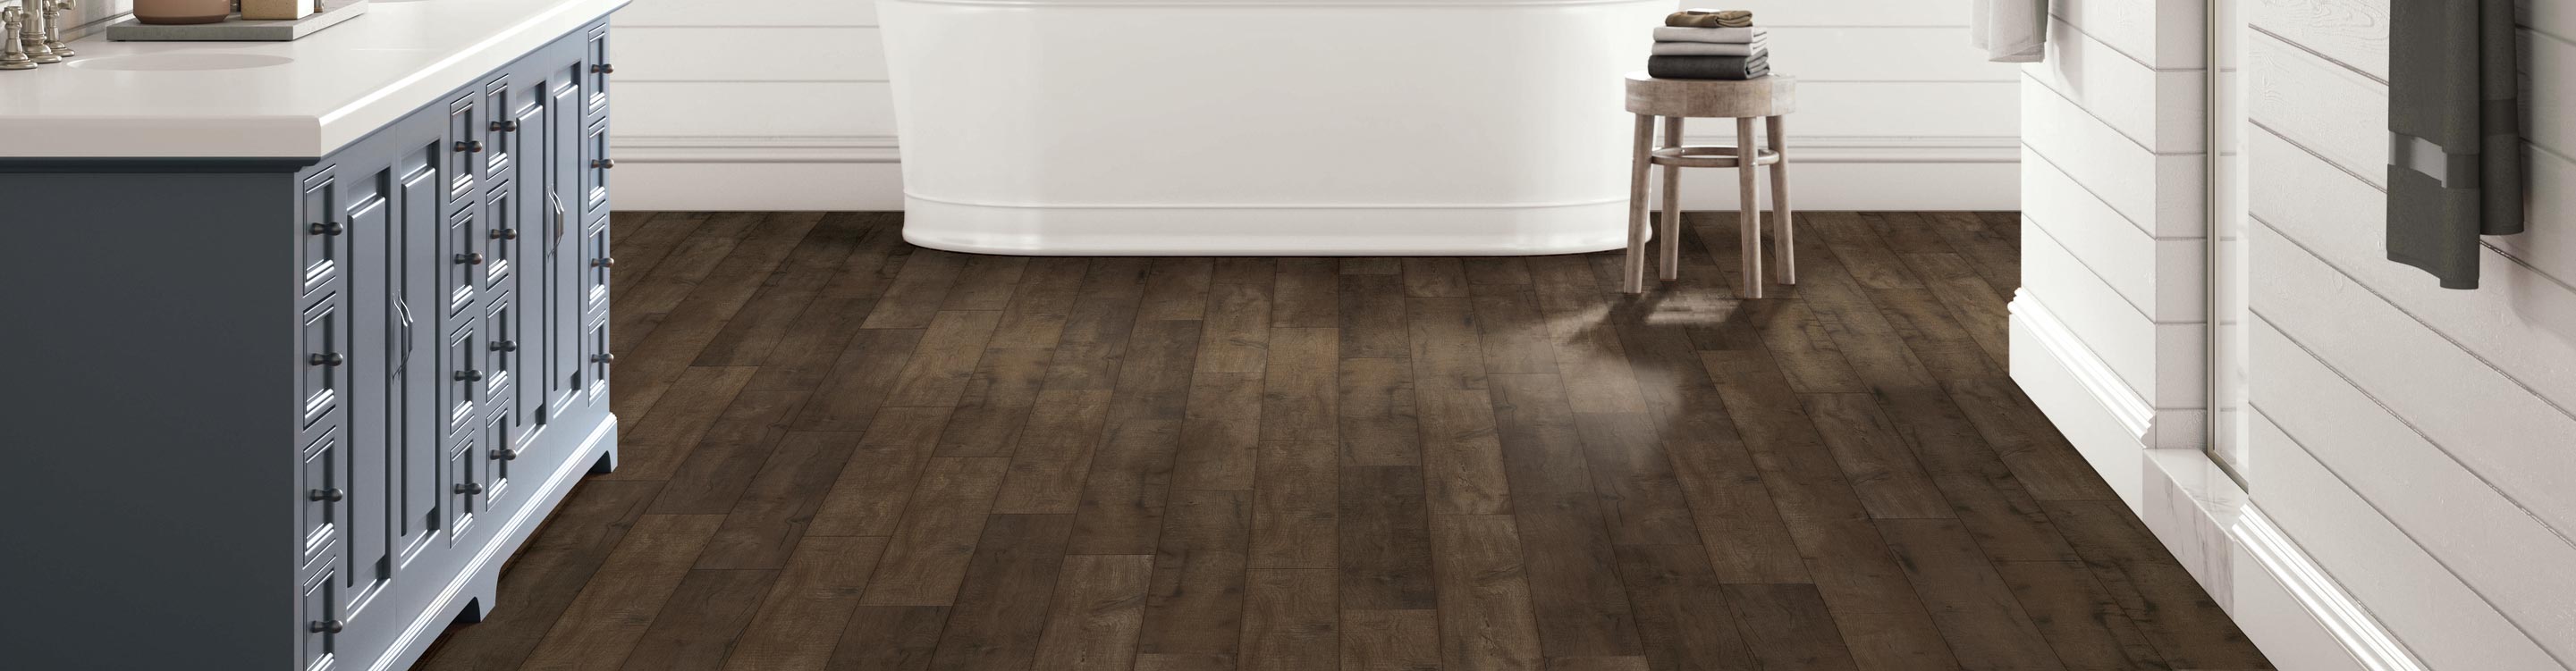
x: 54, y: 25
x: 31, y: 36
x: 13, y: 54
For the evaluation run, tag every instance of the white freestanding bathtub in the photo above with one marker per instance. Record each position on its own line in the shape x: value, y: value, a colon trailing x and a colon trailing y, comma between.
x: 1304, y: 127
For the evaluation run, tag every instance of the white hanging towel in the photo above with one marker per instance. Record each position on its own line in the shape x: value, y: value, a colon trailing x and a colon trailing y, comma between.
x: 2011, y: 31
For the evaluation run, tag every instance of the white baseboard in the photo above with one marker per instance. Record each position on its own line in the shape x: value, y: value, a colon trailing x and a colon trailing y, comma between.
x: 864, y: 173
x: 2288, y: 606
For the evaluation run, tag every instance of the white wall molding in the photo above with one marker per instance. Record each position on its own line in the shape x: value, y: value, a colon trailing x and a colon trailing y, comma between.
x: 756, y: 149
x: 2360, y: 635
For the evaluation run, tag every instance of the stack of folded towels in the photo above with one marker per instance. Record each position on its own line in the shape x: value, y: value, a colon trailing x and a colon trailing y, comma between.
x: 1709, y: 44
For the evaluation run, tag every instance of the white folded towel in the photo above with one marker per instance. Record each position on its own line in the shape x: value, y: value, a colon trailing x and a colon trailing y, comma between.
x: 1711, y: 48
x: 1716, y: 35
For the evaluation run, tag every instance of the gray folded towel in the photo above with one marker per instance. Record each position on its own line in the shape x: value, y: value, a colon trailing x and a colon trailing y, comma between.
x: 1759, y: 46
x: 1710, y: 18
x: 2455, y: 134
x: 1716, y: 35
x: 1707, y: 67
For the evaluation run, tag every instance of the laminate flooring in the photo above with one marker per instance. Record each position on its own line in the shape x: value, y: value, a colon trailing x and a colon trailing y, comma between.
x: 844, y: 452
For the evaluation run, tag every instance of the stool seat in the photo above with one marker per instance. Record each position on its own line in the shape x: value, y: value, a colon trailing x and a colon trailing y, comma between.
x: 1711, y: 157
x: 1759, y: 97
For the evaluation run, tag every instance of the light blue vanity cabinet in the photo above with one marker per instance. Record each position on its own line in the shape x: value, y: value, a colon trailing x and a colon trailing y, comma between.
x: 294, y: 414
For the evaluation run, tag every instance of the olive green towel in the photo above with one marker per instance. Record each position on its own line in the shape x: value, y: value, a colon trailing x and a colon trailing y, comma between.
x: 1710, y: 18
x: 2455, y: 134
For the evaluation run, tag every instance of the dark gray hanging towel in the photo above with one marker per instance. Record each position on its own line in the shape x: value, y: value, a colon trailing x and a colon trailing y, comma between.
x: 2455, y: 134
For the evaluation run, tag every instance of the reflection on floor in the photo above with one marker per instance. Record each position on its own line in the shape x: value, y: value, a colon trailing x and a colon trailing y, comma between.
x: 845, y: 452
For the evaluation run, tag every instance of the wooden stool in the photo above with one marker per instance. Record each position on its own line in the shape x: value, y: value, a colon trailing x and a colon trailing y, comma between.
x: 1767, y: 98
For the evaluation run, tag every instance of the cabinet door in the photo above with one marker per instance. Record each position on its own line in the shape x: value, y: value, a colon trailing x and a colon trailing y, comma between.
x: 596, y: 164
x: 465, y: 147
x: 367, y: 191
x: 414, y: 379
x: 499, y: 149
x: 568, y: 251
x: 318, y: 614
x: 323, y: 477
x: 595, y: 52
x: 324, y: 356
x: 500, y: 224
x: 324, y: 245
x: 461, y: 251
x: 462, y: 392
x: 533, y: 235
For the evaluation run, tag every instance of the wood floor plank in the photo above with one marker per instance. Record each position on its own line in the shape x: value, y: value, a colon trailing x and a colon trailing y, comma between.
x: 1681, y: 611
x: 1791, y: 622
x: 1194, y: 611
x: 1512, y: 331
x: 857, y: 383
x: 1385, y: 539
x: 729, y: 457
x: 775, y: 512
x: 1496, y: 270
x: 1937, y: 339
x: 2169, y: 607
x: 1732, y: 508
x: 1372, y: 265
x: 2078, y: 617
x: 918, y: 290
x: 1047, y: 470
x: 1991, y: 243
x: 1177, y: 289
x: 1861, y: 250
x: 927, y: 556
x: 1805, y: 350
x: 1221, y: 437
x: 1593, y: 362
x: 1461, y: 458
x: 995, y: 403
x: 1372, y: 316
x: 1597, y: 664
x: 604, y: 623
x: 985, y: 283
x: 1376, y: 404
x: 1097, y: 328
x: 545, y: 579
x: 938, y: 372
x: 1977, y: 613
x: 1306, y: 294
x: 701, y: 620
x: 1296, y: 505
x: 747, y: 338
x: 677, y: 338
x: 2040, y: 458
x: 654, y: 449
x: 1238, y: 329
x: 1390, y: 640
x: 641, y: 303
x: 1290, y: 620
x: 889, y: 638
x: 802, y: 616
x: 1640, y: 497
x: 1001, y: 609
x: 1245, y: 270
x: 644, y: 248
x: 1486, y: 621
x: 1035, y: 318
x: 1979, y: 309
x: 876, y: 482
x: 1874, y: 457
x: 1154, y: 377
x: 1121, y: 512
x: 1299, y: 391
x: 1434, y: 277
x: 1097, y: 611
x: 1566, y: 548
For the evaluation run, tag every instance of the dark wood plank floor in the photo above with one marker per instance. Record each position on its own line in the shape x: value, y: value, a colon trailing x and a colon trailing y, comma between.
x: 845, y: 452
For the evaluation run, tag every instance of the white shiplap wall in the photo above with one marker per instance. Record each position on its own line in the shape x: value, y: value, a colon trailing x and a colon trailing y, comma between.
x: 783, y: 104
x: 2420, y: 441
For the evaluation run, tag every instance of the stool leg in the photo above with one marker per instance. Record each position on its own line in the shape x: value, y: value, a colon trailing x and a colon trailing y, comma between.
x: 1749, y: 208
x: 1671, y: 267
x: 1633, y: 277
x: 1784, y: 230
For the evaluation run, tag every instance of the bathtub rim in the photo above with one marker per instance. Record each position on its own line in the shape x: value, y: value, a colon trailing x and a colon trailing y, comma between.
x: 1505, y: 230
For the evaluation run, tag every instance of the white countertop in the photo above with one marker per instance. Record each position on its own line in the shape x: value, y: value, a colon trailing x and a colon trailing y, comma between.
x: 299, y: 99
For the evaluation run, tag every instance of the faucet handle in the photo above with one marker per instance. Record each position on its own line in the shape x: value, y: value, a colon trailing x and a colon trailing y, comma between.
x: 13, y: 50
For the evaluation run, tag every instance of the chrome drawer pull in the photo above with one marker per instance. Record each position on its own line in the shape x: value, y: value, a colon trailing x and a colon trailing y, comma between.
x: 610, y: 359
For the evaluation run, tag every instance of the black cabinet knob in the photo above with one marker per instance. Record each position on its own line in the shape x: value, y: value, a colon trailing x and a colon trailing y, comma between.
x: 325, y: 627
x: 499, y: 454
x: 603, y: 69
x: 604, y: 262
x: 328, y: 228
x: 333, y: 495
x: 505, y: 345
x: 331, y: 359
x: 504, y: 126
x: 469, y: 146
x: 469, y: 488
x: 504, y: 234
x: 603, y: 358
x: 603, y: 163
x: 469, y: 259
x: 467, y: 376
